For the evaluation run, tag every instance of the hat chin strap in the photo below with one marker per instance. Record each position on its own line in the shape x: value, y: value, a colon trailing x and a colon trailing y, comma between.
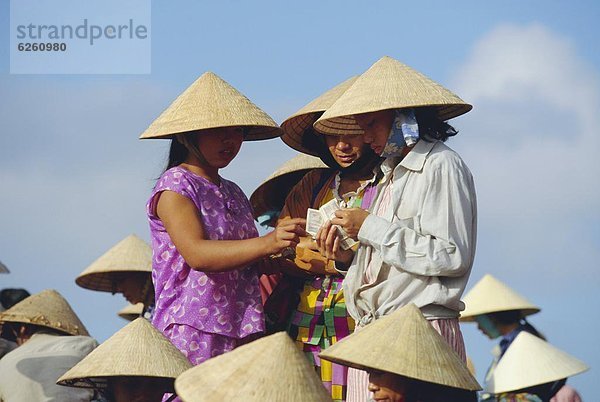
x: 185, y: 141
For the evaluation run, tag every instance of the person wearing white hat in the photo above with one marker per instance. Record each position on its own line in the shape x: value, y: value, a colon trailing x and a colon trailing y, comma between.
x: 51, y: 340
x: 532, y: 370
x: 125, y: 268
x: 408, y: 361
x: 417, y: 241
x: 318, y: 316
x: 136, y: 364
x: 500, y: 312
x: 206, y: 248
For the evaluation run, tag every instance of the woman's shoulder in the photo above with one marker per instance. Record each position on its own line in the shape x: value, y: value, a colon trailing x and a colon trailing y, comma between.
x: 443, y: 156
x: 177, y: 179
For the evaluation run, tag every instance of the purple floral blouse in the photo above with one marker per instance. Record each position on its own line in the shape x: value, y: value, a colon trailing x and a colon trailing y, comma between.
x: 225, y: 303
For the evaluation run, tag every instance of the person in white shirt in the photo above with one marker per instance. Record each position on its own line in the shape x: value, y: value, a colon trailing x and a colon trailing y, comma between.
x: 51, y: 339
x: 417, y: 241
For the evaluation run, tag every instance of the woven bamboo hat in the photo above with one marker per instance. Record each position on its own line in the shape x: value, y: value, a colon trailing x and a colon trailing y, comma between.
x: 137, y: 350
x: 489, y: 295
x: 46, y: 309
x: 269, y: 369
x: 131, y: 254
x: 388, y: 84
x: 295, y: 126
x: 3, y: 268
x: 403, y: 343
x: 210, y: 102
x: 271, y: 194
x: 131, y: 311
x: 530, y: 361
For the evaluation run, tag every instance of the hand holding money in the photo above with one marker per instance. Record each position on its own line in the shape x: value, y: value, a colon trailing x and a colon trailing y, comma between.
x: 350, y: 220
x: 329, y: 242
x: 316, y: 218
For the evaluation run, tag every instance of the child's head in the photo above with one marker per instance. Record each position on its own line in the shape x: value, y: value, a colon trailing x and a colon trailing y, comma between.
x: 136, y: 389
x: 392, y: 387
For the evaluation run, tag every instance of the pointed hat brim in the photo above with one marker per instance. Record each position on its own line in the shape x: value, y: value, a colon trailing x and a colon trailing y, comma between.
x: 490, y: 295
x: 269, y: 369
x: 531, y: 361
x: 137, y: 350
x: 208, y: 103
x: 271, y: 194
x: 131, y: 254
x: 295, y: 127
x: 3, y: 268
x: 388, y: 84
x: 403, y: 343
x: 46, y: 309
x: 131, y: 311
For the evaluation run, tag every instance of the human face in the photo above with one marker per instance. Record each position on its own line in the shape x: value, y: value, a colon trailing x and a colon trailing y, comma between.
x: 488, y: 326
x: 377, y: 126
x: 132, y: 287
x: 136, y: 389
x: 220, y: 145
x: 387, y: 386
x: 345, y: 149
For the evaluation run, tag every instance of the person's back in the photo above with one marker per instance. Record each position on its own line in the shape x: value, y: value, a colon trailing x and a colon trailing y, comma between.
x: 29, y: 372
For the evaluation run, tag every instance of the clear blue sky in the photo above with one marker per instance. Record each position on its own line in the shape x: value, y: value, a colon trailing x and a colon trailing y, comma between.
x: 75, y: 177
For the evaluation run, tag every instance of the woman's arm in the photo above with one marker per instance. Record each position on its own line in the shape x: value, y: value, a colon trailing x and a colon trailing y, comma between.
x: 438, y: 242
x: 180, y: 218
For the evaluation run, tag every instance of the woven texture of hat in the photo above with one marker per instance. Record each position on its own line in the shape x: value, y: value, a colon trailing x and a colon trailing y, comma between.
x: 131, y: 254
x: 138, y: 349
x: 47, y: 309
x: 269, y: 369
x: 210, y: 102
x: 490, y: 295
x: 388, y: 84
x: 281, y: 182
x: 403, y: 343
x: 530, y: 361
x: 131, y: 311
x: 295, y: 125
x: 3, y: 269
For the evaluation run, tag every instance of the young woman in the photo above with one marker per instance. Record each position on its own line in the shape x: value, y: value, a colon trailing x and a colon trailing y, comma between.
x: 417, y: 241
x: 205, y: 245
x: 500, y: 312
x: 319, y: 317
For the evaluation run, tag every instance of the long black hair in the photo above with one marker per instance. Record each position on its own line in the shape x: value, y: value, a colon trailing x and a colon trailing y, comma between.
x: 431, y: 128
x: 177, y: 154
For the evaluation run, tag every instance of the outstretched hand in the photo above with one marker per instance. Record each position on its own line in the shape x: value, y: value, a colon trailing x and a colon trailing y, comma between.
x: 351, y: 220
x: 287, y: 234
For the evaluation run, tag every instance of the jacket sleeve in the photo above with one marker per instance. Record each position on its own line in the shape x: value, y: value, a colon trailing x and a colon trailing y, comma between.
x: 440, y: 240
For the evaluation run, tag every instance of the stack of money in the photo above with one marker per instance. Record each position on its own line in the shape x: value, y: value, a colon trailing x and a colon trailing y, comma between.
x: 315, y: 218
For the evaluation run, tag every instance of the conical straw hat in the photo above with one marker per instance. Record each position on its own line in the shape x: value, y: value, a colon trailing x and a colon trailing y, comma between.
x: 269, y: 369
x: 137, y: 350
x: 210, y: 102
x: 403, y: 343
x: 294, y: 126
x: 530, y: 361
x: 388, y: 84
x: 46, y: 309
x: 131, y: 311
x: 131, y: 254
x: 3, y: 268
x: 490, y: 295
x: 271, y: 194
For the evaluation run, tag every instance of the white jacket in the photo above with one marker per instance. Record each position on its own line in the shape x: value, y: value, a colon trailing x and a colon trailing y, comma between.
x: 424, y: 244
